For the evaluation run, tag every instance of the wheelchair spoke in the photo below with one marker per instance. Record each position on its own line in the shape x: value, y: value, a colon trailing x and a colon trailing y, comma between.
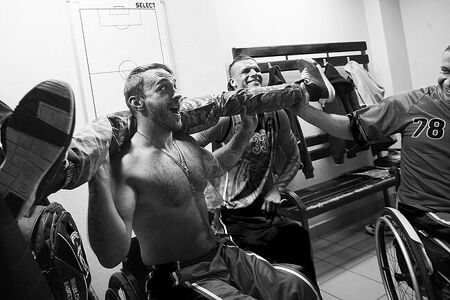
x: 402, y: 266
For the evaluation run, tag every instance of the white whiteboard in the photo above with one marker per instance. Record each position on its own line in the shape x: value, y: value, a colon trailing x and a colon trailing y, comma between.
x: 110, y: 39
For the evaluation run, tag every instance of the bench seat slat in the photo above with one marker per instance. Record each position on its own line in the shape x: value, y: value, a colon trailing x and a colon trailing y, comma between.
x: 343, y: 189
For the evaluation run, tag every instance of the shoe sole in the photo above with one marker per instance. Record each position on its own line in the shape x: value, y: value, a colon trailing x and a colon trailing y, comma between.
x: 38, y: 135
x: 330, y: 89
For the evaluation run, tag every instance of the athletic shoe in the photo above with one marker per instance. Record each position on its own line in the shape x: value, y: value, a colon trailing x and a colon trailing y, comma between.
x: 38, y: 134
x: 370, y: 229
x: 317, y: 84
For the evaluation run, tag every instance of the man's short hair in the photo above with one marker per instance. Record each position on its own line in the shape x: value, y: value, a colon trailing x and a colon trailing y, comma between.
x: 447, y: 49
x: 134, y: 84
x: 238, y: 58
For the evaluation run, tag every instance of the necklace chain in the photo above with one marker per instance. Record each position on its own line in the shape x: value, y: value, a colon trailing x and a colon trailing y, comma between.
x: 182, y: 161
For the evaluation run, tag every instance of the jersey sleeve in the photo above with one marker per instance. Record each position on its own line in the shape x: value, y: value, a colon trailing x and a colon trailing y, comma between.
x: 376, y: 122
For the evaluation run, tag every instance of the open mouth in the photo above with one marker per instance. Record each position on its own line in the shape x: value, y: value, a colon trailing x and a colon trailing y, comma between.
x: 446, y: 91
x: 175, y: 109
x: 254, y: 81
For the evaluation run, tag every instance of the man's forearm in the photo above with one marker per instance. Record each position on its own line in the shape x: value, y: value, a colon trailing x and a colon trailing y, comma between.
x: 201, y: 113
x: 335, y: 125
x: 106, y: 230
x: 230, y: 154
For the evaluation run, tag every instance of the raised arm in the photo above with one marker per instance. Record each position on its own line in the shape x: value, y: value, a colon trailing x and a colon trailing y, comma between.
x: 110, y: 218
x: 226, y: 157
x: 201, y: 113
x: 217, y: 133
x: 198, y: 113
x: 336, y: 125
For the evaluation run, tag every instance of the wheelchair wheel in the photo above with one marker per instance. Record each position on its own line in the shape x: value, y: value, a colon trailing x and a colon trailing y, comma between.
x: 123, y: 286
x: 404, y: 266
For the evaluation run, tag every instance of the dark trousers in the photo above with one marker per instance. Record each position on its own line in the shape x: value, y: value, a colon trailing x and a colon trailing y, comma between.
x: 426, y: 221
x: 23, y: 279
x: 22, y: 276
x: 439, y: 256
x: 274, y: 237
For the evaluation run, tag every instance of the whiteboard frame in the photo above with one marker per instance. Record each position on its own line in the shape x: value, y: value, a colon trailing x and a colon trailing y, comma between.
x: 75, y: 9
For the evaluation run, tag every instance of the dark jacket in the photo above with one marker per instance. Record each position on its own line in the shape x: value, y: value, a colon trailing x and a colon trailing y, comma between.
x: 275, y: 78
x: 345, y: 102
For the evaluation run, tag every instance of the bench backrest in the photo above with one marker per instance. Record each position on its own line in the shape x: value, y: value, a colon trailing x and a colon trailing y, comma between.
x: 334, y: 53
x: 337, y: 54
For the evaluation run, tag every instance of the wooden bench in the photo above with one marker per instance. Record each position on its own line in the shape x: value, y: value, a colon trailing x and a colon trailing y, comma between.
x: 349, y: 186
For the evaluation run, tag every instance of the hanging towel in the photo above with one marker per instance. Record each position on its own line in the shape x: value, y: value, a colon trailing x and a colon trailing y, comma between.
x: 368, y: 89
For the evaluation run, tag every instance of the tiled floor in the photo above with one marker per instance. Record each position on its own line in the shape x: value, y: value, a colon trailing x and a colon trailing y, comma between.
x: 346, y: 265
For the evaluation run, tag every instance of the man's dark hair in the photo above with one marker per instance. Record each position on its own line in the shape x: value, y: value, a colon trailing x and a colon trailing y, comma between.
x: 134, y: 84
x: 447, y: 49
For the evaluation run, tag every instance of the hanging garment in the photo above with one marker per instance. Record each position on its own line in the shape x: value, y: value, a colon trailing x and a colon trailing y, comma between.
x: 275, y: 78
x: 368, y: 89
x: 345, y: 102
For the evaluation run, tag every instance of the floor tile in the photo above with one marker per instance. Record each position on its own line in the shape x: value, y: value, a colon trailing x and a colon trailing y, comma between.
x: 326, y: 296
x: 364, y: 245
x: 323, y: 267
x: 351, y: 286
x: 346, y: 264
x: 320, y: 243
x: 330, y: 250
x: 345, y: 258
x: 325, y: 271
x: 358, y: 226
x: 368, y: 268
x: 356, y: 238
x: 339, y: 235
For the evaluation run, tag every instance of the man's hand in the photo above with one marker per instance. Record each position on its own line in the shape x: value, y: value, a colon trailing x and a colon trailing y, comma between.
x: 271, y: 201
x: 103, y: 170
x: 248, y: 122
x: 298, y: 107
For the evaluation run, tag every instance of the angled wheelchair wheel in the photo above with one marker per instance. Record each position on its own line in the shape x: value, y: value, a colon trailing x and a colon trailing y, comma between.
x: 404, y: 266
x: 123, y: 286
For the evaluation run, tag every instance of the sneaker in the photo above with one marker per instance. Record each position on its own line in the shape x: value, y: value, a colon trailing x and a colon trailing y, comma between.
x: 38, y: 134
x: 317, y: 84
x: 370, y: 229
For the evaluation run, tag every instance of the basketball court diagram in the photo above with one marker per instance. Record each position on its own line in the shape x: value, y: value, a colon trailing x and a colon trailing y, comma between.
x: 110, y: 41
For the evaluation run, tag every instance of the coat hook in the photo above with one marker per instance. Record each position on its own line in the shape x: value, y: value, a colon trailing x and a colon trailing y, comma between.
x: 348, y: 59
x: 324, y: 61
x: 269, y: 65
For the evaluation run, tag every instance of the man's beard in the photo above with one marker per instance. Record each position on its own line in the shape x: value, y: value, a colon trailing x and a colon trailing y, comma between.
x: 164, y: 118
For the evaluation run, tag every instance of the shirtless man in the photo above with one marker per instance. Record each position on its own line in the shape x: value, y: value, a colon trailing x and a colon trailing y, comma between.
x: 154, y: 187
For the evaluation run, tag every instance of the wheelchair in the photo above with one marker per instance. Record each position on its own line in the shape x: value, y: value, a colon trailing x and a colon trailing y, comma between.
x: 129, y: 283
x: 410, y: 260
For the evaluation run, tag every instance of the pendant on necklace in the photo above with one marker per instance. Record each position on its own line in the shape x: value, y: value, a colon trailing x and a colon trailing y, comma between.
x: 184, y: 166
x: 181, y: 163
